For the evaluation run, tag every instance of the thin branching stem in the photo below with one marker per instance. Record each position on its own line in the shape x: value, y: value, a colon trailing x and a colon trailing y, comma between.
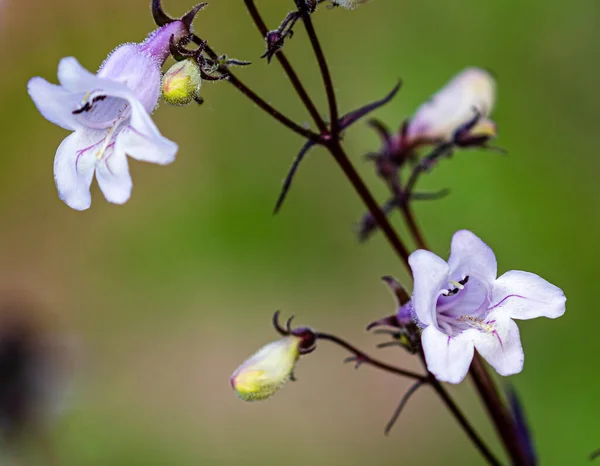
x: 332, y: 143
x: 411, y: 391
x: 362, y: 358
x: 458, y: 415
x: 259, y: 101
x: 327, y: 81
x: 488, y: 391
x: 289, y: 70
x: 363, y: 191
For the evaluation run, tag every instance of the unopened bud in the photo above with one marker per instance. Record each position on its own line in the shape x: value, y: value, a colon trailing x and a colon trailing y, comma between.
x: 260, y: 376
x: 471, y: 91
x: 181, y: 83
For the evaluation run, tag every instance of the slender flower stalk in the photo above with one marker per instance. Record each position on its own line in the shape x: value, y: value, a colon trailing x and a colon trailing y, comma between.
x: 287, y: 67
x: 343, y: 161
x: 329, y: 136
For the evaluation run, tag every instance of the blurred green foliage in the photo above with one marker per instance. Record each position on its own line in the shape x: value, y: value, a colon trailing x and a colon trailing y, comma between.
x: 169, y: 293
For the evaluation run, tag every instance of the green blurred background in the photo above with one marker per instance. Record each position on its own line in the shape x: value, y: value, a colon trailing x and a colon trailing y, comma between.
x: 167, y: 294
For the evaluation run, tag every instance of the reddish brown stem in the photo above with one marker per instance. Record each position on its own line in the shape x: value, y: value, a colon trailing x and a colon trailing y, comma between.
x: 289, y: 70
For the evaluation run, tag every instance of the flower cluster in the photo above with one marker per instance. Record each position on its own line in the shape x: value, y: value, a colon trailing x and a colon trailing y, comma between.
x: 456, y: 307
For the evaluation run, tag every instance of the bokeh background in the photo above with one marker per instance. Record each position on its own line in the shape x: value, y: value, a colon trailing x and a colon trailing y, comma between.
x: 162, y: 298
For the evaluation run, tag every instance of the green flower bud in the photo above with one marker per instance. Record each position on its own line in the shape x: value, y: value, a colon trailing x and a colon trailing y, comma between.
x: 181, y: 83
x: 264, y: 373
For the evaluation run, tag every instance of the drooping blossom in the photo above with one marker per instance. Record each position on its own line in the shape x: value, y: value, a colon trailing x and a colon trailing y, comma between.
x: 109, y: 114
x: 462, y: 305
x: 264, y: 373
x: 470, y: 93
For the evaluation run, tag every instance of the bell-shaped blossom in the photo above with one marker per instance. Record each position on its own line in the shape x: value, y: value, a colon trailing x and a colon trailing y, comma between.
x: 471, y: 92
x: 109, y: 114
x: 462, y: 306
x: 264, y: 373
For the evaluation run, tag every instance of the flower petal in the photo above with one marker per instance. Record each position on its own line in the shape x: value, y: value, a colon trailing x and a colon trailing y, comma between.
x: 53, y: 102
x: 113, y: 176
x: 501, y: 349
x: 139, y: 71
x: 74, y: 169
x: 447, y: 358
x: 524, y: 295
x: 142, y: 140
x: 430, y: 274
x: 75, y: 78
x: 471, y: 256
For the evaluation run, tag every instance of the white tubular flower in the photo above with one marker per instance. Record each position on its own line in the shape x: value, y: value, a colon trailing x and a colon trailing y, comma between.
x: 462, y: 306
x: 109, y: 114
x: 469, y: 93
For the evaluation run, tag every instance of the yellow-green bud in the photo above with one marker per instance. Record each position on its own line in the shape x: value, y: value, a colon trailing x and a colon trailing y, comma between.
x: 181, y: 83
x: 260, y: 376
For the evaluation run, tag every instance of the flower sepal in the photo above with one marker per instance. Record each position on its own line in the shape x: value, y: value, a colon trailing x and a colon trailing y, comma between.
x: 401, y: 326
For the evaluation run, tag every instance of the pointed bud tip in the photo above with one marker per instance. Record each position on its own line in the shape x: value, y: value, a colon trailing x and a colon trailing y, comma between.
x: 189, y: 17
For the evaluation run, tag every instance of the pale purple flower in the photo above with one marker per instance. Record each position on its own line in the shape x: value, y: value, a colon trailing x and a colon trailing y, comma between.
x: 462, y: 306
x: 472, y: 90
x: 109, y: 114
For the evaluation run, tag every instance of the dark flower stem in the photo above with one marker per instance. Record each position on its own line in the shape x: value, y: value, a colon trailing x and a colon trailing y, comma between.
x: 330, y: 138
x: 411, y: 222
x: 361, y: 189
x: 488, y: 391
x: 327, y: 81
x: 363, y: 358
x: 260, y: 102
x: 287, y: 68
x: 453, y: 408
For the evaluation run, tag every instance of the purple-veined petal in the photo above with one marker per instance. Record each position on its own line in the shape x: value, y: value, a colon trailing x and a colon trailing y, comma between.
x: 430, y: 275
x: 501, y: 348
x: 74, y: 168
x: 142, y: 140
x: 447, y: 358
x: 112, y: 173
x: 469, y: 255
x: 524, y: 295
x: 53, y: 102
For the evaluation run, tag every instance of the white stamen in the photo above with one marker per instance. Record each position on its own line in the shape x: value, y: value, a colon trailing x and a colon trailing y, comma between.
x: 477, y: 323
x: 109, y: 134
